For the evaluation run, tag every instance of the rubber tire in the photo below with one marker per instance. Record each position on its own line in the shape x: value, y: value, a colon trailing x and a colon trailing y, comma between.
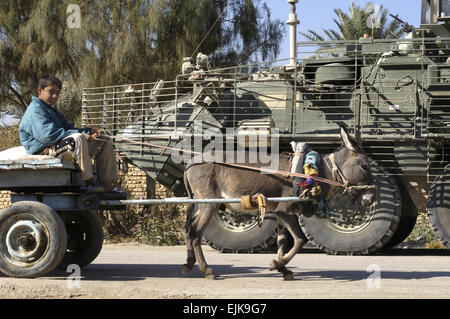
x: 84, y: 238
x: 438, y: 215
x: 375, y: 235
x: 405, y: 227
x: 408, y: 219
x: 247, y: 241
x: 56, y: 239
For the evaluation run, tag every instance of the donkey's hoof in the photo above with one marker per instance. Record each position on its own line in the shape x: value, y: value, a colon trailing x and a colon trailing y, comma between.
x: 186, y: 269
x: 209, y: 274
x: 274, y: 265
x: 288, y: 276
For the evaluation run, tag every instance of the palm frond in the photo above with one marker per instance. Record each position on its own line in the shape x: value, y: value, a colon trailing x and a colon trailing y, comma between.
x: 353, y: 24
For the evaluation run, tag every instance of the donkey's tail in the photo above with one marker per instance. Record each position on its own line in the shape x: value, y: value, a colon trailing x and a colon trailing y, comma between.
x: 190, y: 211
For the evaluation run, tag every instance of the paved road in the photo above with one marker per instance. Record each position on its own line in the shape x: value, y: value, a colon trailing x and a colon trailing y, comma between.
x: 140, y: 271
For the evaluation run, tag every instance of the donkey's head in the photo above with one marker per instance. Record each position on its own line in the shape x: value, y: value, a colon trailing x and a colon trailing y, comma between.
x: 354, y: 170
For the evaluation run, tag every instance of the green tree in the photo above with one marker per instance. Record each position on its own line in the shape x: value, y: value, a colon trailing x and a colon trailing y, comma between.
x: 34, y: 40
x: 232, y: 32
x: 120, y: 41
x: 141, y: 41
x: 354, y: 24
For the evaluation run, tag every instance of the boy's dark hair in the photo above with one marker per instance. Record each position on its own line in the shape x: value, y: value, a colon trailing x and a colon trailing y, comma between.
x: 46, y: 80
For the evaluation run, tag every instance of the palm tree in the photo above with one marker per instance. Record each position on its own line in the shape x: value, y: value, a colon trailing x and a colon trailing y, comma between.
x: 353, y: 25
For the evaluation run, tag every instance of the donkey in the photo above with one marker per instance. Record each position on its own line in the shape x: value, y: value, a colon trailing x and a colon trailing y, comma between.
x: 220, y: 180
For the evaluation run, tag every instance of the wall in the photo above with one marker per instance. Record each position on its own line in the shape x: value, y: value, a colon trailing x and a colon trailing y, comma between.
x: 5, y: 199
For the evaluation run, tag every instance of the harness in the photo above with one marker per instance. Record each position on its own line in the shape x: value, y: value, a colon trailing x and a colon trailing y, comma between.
x: 336, y: 172
x: 256, y: 201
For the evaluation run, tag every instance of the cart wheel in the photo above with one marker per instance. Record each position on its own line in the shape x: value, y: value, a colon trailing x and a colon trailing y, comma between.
x: 84, y: 238
x: 33, y: 239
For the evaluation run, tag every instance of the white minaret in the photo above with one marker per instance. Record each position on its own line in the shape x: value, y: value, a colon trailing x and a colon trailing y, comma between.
x: 293, y: 22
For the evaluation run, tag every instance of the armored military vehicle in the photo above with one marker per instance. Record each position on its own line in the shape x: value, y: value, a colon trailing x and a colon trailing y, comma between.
x: 392, y: 95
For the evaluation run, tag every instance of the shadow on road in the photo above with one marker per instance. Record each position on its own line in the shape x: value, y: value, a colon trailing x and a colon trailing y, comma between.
x: 134, y: 272
x: 413, y: 252
x: 381, y: 252
x: 352, y: 275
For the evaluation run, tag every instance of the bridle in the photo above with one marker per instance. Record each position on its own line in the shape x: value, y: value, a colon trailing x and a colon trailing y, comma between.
x: 338, y: 176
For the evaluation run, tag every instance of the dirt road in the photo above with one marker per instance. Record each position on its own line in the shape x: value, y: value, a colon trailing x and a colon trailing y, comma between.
x: 139, y: 271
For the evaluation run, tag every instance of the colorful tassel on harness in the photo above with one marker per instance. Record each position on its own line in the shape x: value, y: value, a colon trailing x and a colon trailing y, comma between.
x: 311, y: 168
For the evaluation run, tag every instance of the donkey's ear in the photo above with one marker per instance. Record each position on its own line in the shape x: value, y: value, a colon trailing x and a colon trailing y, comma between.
x: 349, y: 141
x: 294, y: 146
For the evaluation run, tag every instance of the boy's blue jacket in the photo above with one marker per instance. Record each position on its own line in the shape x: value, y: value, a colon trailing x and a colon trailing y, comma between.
x: 43, y: 126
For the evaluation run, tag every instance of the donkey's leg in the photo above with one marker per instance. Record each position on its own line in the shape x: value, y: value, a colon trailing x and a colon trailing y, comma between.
x: 188, y: 232
x: 291, y: 225
x: 204, y: 215
x: 187, y: 267
x: 282, y: 241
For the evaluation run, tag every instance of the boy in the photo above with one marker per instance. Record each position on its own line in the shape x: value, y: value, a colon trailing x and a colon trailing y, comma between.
x: 44, y: 130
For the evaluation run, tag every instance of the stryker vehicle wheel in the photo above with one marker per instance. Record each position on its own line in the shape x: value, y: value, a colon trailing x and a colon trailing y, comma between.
x: 84, y: 238
x: 352, y: 229
x: 407, y: 220
x: 439, y: 207
x: 33, y: 239
x: 233, y: 232
x: 405, y: 227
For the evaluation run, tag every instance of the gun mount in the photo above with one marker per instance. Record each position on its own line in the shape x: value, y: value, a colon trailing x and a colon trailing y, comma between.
x: 406, y: 26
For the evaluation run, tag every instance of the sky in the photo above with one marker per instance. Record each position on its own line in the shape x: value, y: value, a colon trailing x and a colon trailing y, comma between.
x: 6, y: 119
x: 318, y: 14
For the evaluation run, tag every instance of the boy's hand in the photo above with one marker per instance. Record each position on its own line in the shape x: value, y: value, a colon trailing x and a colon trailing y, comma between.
x: 96, y: 134
x: 88, y: 137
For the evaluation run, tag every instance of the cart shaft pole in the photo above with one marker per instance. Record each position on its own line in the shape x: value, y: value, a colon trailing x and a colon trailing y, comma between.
x: 187, y: 200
